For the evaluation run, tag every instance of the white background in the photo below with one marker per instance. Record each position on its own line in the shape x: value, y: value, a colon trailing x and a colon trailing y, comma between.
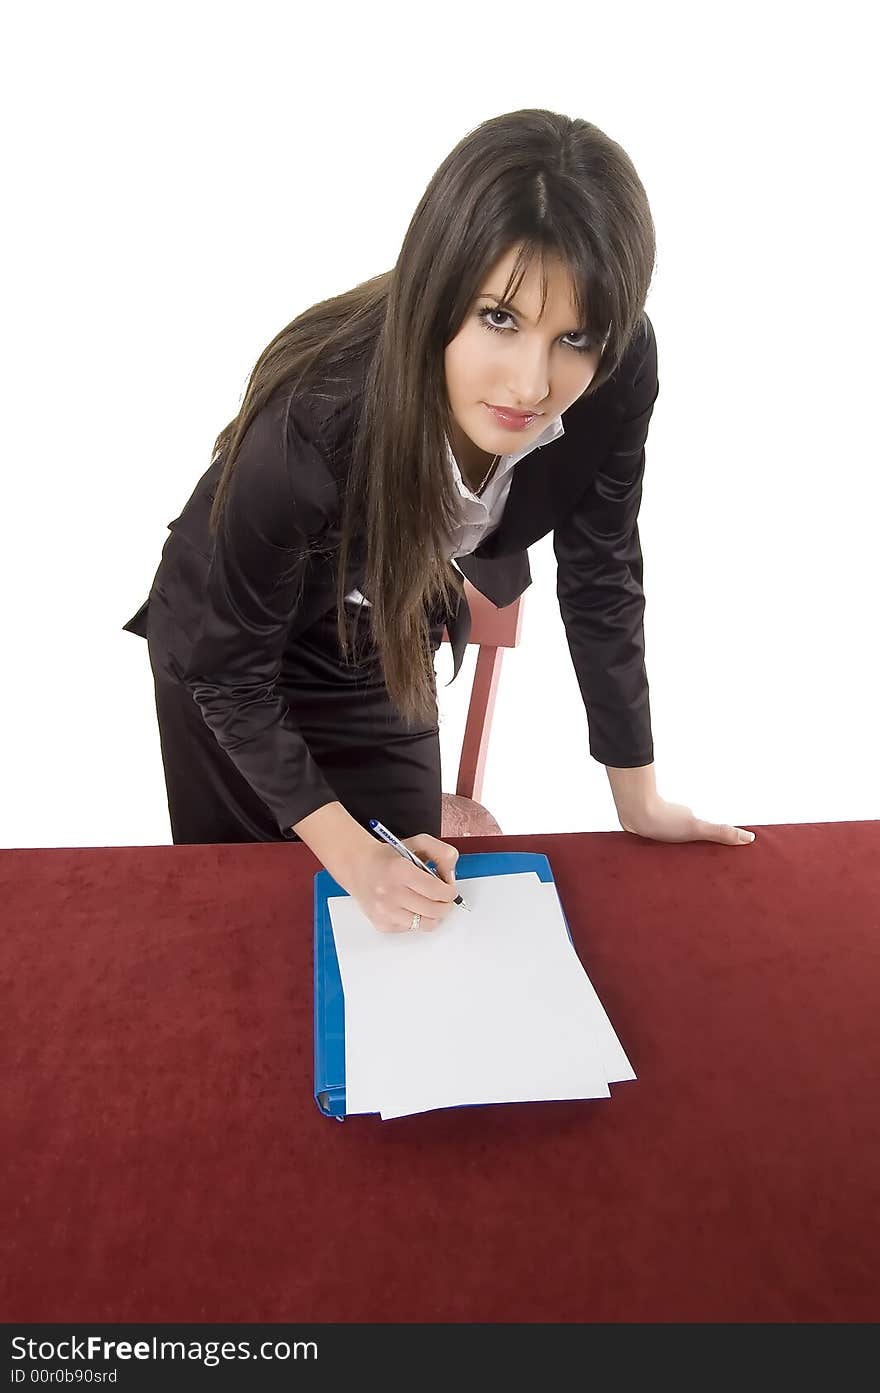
x: 182, y: 180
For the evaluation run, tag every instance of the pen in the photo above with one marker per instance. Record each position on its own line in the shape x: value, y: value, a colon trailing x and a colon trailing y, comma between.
x: 390, y: 838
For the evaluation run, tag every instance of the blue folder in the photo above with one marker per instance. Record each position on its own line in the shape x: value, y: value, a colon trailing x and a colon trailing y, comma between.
x: 329, y: 1000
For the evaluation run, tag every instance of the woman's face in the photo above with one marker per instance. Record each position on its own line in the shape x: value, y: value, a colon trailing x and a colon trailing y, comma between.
x: 506, y: 358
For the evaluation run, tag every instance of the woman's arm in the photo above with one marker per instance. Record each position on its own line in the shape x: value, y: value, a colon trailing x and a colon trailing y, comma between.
x: 388, y: 888
x: 599, y: 584
x: 280, y: 499
x: 338, y: 841
x: 634, y: 791
x: 602, y: 603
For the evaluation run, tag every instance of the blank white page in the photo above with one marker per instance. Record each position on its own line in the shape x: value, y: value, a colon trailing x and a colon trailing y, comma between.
x: 603, y: 1044
x: 374, y: 967
x: 614, y: 1062
x: 484, y: 1009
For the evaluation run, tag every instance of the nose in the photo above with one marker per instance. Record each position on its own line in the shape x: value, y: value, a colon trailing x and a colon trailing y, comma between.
x: 528, y: 382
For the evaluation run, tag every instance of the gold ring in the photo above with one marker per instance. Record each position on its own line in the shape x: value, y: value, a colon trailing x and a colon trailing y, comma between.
x: 415, y: 921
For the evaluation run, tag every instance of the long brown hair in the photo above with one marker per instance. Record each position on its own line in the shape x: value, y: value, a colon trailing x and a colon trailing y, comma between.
x: 533, y: 180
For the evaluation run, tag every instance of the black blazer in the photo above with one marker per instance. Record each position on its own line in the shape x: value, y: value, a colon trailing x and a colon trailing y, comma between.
x: 226, y: 609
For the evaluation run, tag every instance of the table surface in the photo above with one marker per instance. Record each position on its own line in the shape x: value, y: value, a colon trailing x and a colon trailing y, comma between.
x: 165, y: 1159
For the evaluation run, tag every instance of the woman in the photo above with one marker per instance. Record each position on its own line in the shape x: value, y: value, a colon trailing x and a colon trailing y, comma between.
x: 303, y: 591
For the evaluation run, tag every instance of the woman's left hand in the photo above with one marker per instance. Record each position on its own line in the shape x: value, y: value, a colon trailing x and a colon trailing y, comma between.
x: 672, y: 822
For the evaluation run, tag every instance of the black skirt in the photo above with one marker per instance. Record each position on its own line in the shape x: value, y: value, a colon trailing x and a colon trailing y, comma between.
x: 378, y: 765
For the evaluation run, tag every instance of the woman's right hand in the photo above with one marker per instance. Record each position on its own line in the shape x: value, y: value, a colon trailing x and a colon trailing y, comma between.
x: 390, y: 890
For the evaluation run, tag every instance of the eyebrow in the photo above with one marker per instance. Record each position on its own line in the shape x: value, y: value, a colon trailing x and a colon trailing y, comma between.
x: 509, y: 305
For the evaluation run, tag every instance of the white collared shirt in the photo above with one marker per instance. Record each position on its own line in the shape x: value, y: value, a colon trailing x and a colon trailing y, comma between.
x: 479, y: 517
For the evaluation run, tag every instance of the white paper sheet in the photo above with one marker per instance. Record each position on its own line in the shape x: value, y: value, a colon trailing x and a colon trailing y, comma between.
x: 493, y: 1006
x: 616, y: 1066
x: 388, y: 980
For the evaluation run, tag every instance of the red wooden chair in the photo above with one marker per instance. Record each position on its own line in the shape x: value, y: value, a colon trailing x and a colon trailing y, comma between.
x: 463, y: 815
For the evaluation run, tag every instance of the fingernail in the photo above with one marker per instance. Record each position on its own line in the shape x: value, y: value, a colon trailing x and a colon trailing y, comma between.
x: 747, y: 836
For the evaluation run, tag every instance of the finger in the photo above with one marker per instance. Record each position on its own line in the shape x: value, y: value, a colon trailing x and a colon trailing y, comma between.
x: 427, y: 926
x: 400, y: 921
x: 389, y: 927
x: 404, y: 923
x: 426, y: 883
x: 432, y: 849
x: 441, y: 853
x: 424, y: 894
x: 422, y: 927
x: 446, y: 867
x: 723, y: 832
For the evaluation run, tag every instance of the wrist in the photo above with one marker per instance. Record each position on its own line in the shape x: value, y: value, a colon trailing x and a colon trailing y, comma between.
x: 340, y: 843
x: 634, y: 790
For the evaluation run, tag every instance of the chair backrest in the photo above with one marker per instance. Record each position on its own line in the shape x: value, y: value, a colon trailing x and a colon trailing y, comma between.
x: 492, y: 630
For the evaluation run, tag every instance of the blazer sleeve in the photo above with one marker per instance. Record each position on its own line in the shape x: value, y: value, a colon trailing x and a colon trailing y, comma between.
x: 277, y: 504
x: 599, y: 579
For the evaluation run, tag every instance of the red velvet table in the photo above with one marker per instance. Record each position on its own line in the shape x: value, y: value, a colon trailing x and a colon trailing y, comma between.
x: 164, y: 1158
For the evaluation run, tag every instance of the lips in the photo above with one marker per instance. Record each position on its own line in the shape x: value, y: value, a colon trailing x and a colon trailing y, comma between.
x: 509, y: 417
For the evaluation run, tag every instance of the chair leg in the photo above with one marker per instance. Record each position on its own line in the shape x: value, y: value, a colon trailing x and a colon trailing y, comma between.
x: 479, y: 722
